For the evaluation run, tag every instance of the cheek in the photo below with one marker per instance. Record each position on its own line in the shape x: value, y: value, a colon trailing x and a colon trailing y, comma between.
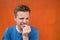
x: 19, y: 21
x: 27, y: 20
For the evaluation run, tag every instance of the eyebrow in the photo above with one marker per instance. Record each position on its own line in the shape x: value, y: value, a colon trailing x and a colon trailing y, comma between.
x: 23, y: 18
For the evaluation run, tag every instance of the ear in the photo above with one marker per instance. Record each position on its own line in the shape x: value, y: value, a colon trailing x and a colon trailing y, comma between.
x: 14, y: 18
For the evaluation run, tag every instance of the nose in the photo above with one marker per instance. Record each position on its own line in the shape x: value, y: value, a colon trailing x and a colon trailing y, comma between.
x: 25, y: 21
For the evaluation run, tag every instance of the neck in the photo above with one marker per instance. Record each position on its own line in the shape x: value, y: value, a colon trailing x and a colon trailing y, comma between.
x: 18, y: 29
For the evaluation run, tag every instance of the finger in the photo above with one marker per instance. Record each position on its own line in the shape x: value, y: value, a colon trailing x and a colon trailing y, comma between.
x: 26, y: 29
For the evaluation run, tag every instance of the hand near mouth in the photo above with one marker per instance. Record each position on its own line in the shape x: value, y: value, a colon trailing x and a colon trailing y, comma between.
x: 26, y: 30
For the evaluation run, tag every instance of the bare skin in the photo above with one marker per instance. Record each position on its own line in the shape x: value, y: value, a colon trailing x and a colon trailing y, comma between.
x: 22, y: 26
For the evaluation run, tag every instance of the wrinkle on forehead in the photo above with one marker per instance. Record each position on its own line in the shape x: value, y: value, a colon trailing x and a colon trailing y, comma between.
x: 22, y: 14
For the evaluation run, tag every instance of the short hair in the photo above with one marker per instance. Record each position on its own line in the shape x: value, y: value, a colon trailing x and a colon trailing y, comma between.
x: 22, y: 8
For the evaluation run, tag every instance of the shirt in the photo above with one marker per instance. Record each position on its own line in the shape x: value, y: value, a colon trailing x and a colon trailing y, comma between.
x: 12, y: 34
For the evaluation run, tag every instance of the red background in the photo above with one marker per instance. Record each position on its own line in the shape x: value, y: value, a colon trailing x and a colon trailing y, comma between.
x: 45, y: 16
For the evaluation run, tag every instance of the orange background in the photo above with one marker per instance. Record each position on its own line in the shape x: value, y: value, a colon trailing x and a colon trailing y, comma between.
x: 45, y: 16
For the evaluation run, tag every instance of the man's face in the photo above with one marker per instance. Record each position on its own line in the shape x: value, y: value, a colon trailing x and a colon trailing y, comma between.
x: 22, y: 18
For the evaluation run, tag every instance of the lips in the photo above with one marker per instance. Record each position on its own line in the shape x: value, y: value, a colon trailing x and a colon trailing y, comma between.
x: 23, y: 26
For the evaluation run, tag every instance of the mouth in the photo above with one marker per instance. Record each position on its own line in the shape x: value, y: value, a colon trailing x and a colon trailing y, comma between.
x: 22, y: 25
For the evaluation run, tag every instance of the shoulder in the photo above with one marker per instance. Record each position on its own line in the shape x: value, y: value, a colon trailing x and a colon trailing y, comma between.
x: 13, y: 26
x: 8, y: 32
x: 10, y: 28
x: 34, y: 30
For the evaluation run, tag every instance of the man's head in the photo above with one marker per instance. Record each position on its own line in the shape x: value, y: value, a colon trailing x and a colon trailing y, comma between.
x: 22, y: 15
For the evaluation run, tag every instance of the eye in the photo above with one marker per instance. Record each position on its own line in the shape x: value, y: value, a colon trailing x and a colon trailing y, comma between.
x: 27, y: 18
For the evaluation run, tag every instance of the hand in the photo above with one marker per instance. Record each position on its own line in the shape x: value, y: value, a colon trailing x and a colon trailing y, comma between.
x: 26, y: 30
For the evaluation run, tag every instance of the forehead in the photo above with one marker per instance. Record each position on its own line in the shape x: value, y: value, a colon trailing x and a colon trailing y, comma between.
x: 22, y: 14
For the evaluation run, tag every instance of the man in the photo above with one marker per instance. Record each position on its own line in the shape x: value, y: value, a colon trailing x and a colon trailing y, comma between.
x: 22, y: 30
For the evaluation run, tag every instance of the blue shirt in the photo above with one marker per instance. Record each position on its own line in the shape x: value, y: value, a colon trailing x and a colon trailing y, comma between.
x: 12, y: 34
